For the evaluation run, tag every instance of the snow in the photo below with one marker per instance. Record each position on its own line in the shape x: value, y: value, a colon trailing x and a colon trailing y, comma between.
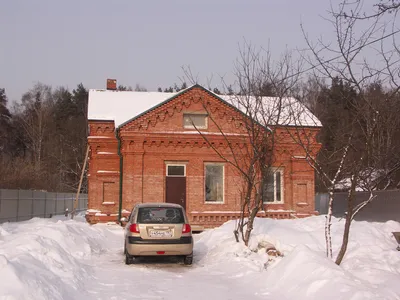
x: 92, y: 210
x: 278, y: 210
x: 60, y: 258
x: 121, y: 106
x: 217, y: 212
x: 237, y: 211
x: 99, y: 214
x: 275, y: 110
x: 299, y: 156
x: 199, y: 132
x: 99, y: 137
x: 368, y: 180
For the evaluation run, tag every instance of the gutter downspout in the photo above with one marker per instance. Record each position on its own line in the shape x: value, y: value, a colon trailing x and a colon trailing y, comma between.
x: 121, y: 173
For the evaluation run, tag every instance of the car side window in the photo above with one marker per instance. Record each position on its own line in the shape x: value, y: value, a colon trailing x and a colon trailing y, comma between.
x: 132, y: 215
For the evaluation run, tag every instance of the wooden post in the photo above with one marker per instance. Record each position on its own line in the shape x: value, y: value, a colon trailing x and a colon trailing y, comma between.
x: 80, y: 183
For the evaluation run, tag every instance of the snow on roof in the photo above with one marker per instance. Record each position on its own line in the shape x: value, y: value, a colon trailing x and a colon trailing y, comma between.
x: 275, y: 110
x: 121, y: 106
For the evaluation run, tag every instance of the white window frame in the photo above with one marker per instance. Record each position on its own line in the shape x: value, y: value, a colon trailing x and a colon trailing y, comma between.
x: 223, y: 182
x: 175, y: 165
x: 192, y: 126
x: 281, y: 171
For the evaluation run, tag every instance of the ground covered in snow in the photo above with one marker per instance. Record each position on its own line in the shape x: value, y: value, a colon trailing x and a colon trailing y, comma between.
x: 64, y: 259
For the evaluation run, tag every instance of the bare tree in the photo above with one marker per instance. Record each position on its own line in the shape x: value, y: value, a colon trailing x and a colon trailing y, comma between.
x: 353, y: 154
x: 251, y: 155
x: 354, y: 9
x: 34, y: 117
x: 262, y: 118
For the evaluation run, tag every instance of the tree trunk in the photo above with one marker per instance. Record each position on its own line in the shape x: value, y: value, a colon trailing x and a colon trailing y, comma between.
x: 346, y: 232
x: 328, y: 223
x: 249, y: 189
x: 250, y: 223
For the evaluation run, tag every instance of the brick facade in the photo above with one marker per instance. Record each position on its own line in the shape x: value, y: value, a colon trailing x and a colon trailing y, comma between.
x: 151, y: 141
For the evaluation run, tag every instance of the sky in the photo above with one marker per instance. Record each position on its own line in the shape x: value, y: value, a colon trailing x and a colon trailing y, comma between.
x: 63, y: 43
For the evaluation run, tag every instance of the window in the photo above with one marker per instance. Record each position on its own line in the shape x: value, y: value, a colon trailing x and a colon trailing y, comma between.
x: 195, y: 121
x: 273, y: 187
x: 176, y: 170
x: 214, y: 183
x: 132, y: 215
x: 160, y: 215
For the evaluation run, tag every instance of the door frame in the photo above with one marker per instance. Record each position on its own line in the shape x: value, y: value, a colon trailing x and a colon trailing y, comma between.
x: 175, y: 163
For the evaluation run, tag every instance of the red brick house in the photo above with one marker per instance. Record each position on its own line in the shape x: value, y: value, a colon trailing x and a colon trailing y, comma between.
x: 144, y: 149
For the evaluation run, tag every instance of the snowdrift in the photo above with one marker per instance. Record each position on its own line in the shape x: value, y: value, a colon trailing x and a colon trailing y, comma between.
x: 57, y: 259
x: 370, y: 270
x: 47, y: 258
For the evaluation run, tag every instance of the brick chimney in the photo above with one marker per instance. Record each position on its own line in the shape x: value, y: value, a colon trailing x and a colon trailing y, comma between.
x: 112, y: 84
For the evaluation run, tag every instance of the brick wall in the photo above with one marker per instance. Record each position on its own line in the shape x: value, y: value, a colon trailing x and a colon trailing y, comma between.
x: 158, y: 137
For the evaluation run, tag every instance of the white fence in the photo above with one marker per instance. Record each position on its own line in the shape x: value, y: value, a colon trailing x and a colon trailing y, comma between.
x: 21, y: 205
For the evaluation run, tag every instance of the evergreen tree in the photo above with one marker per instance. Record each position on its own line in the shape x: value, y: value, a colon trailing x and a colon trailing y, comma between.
x: 216, y: 91
x: 79, y: 132
x: 230, y: 91
x: 140, y: 88
x: 5, y: 123
x: 183, y: 86
x: 65, y: 107
x: 80, y: 97
x: 335, y: 108
x: 124, y: 88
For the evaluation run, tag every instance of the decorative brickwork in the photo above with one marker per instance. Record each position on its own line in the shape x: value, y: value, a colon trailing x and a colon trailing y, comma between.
x: 152, y: 140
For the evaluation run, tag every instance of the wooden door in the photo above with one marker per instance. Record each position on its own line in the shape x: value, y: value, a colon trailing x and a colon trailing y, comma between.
x: 175, y: 185
x: 176, y: 190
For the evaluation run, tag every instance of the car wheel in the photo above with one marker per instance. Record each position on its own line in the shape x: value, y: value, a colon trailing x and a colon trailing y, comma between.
x: 188, y: 259
x: 128, y: 259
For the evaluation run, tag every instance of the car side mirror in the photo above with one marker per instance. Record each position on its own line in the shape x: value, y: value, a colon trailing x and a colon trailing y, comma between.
x: 124, y: 219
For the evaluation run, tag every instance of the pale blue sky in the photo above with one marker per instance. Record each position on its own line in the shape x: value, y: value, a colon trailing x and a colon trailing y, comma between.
x: 146, y: 42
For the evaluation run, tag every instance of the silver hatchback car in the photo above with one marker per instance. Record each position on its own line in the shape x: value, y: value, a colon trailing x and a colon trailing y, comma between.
x: 158, y: 229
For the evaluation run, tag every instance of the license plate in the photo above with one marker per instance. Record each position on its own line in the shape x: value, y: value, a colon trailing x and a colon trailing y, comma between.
x: 160, y: 233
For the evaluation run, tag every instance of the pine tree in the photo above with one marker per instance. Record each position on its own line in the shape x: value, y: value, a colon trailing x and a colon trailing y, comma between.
x: 5, y: 122
x: 140, y: 88
x: 124, y: 88
x: 80, y: 97
x: 216, y: 91
x: 230, y: 91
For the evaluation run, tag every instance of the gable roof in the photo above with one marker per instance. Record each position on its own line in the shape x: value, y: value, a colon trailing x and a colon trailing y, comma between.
x: 123, y: 107
x: 120, y: 106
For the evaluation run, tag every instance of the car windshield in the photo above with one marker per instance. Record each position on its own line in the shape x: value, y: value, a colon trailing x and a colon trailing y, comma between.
x: 160, y: 215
